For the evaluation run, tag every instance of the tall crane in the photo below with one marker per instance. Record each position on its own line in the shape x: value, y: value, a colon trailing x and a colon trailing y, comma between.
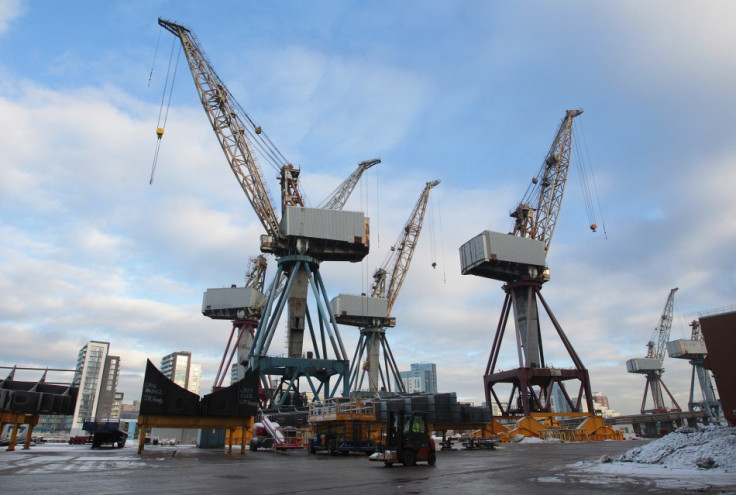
x: 373, y: 313
x: 652, y: 365
x: 340, y: 195
x: 520, y: 260
x: 241, y: 305
x: 695, y: 351
x: 231, y: 131
x: 303, y: 239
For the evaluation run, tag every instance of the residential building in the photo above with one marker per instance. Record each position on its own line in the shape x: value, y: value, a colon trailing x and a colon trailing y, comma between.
x: 600, y: 403
x: 422, y: 378
x: 130, y: 411
x: 96, y: 376
x: 108, y: 389
x: 175, y: 367
x: 178, y: 368
x: 195, y: 378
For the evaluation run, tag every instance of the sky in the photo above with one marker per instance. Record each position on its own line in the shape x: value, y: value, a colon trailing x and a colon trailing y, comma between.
x: 469, y: 92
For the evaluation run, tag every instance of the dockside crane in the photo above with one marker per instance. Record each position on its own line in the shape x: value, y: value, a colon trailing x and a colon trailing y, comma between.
x: 301, y: 240
x: 652, y: 365
x: 519, y: 259
x: 372, y: 314
x: 340, y: 195
x: 243, y: 307
x: 695, y: 352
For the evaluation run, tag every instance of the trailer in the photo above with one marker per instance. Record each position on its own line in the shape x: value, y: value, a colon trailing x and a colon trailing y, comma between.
x: 344, y: 437
x: 107, y: 432
x: 343, y: 425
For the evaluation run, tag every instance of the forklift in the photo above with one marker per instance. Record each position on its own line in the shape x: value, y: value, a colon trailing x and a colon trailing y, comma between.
x: 408, y: 440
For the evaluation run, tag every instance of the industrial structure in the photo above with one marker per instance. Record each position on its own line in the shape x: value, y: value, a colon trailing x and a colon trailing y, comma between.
x: 695, y: 352
x: 301, y: 240
x: 372, y: 314
x: 717, y: 327
x: 244, y: 305
x: 652, y: 366
x: 23, y: 403
x: 519, y: 260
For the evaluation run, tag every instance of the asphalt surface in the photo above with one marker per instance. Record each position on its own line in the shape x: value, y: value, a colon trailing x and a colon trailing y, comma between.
x: 512, y: 469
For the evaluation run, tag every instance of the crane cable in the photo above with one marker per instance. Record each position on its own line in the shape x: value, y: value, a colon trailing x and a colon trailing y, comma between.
x: 585, y: 170
x: 159, y: 126
x: 441, y: 235
x: 155, y: 53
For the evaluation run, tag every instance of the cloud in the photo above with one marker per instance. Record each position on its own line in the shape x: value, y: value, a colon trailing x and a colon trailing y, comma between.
x: 9, y: 11
x: 92, y: 251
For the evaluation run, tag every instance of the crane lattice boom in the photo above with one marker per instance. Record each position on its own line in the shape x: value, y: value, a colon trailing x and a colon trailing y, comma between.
x: 661, y: 335
x: 219, y: 105
x: 340, y: 195
x: 388, y: 278
x: 538, y: 221
x: 256, y: 277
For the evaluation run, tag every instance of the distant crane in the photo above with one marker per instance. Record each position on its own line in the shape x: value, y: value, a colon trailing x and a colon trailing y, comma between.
x: 520, y: 260
x: 340, y: 195
x: 243, y: 306
x: 653, y: 364
x: 694, y: 350
x: 301, y: 240
x: 373, y: 313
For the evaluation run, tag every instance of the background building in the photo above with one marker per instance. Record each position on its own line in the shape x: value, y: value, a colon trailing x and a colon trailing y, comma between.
x: 178, y: 368
x: 108, y: 388
x: 96, y: 376
x: 422, y: 378
x: 195, y: 378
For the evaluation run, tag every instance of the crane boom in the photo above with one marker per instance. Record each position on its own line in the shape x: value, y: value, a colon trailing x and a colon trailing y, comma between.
x: 390, y: 276
x: 661, y: 335
x: 340, y: 195
x: 256, y: 277
x: 538, y: 222
x: 219, y: 104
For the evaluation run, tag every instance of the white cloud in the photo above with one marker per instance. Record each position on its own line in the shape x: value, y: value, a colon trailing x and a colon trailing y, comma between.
x: 9, y: 11
x: 91, y: 251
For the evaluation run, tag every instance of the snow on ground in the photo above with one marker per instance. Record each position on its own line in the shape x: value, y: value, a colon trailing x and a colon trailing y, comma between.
x: 710, y: 447
x: 688, y: 458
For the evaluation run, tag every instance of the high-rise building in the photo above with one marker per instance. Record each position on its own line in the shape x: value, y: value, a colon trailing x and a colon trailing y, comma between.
x: 178, y: 368
x: 559, y: 402
x: 96, y: 376
x: 195, y: 377
x: 117, y: 405
x: 175, y: 367
x: 109, y: 387
x: 422, y: 378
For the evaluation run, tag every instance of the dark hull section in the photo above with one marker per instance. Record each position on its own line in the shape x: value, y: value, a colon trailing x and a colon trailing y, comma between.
x: 37, y: 397
x: 162, y: 397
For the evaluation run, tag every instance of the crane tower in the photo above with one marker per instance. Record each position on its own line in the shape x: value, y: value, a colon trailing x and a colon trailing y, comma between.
x: 372, y: 314
x: 653, y: 364
x: 694, y: 350
x: 301, y: 240
x: 519, y: 260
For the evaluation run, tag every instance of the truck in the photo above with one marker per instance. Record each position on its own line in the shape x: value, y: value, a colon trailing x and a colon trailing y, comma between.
x: 408, y: 440
x: 269, y: 435
x: 106, y: 432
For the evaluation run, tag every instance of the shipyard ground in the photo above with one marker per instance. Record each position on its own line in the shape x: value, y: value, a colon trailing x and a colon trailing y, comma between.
x: 513, y: 468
